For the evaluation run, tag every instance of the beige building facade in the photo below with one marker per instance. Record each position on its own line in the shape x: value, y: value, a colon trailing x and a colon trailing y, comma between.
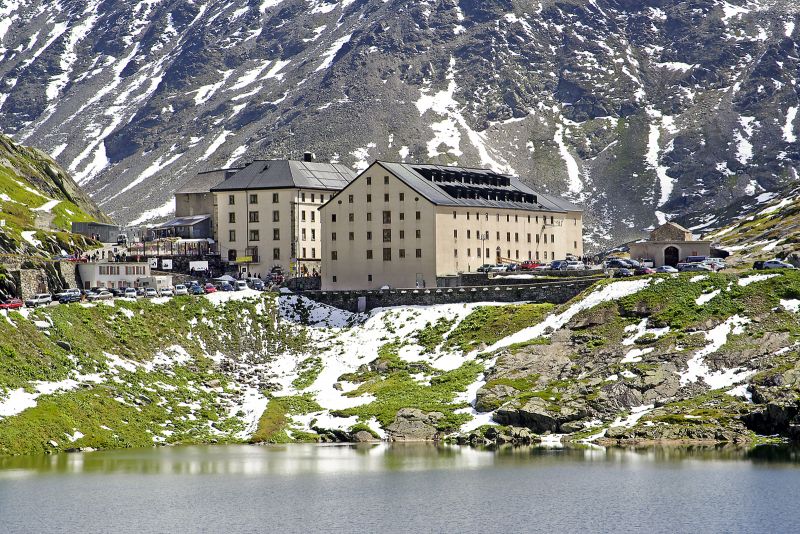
x: 194, y: 198
x: 267, y: 215
x: 669, y: 244
x: 403, y: 226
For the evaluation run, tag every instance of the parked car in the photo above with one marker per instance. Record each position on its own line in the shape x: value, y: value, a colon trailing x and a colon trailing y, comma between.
x: 758, y: 265
x: 210, y: 288
x: 225, y: 286
x: 617, y: 263
x: 100, y: 295
x: 623, y: 273
x: 666, y: 269
x: 696, y: 259
x: 139, y: 291
x: 642, y: 271
x: 633, y: 263
x: 68, y: 298
x: 715, y: 263
x: 498, y: 268
x: 574, y: 266
x: 118, y: 291
x: 181, y: 289
x: 542, y: 268
x: 777, y: 264
x: 693, y: 267
x: 40, y: 299
x: 529, y: 265
x: 166, y: 292
x: 150, y: 292
x: 197, y: 289
x: 558, y: 265
x: 257, y: 284
x: 69, y: 291
x: 131, y: 292
x: 240, y: 285
x: 11, y: 304
x: 485, y: 268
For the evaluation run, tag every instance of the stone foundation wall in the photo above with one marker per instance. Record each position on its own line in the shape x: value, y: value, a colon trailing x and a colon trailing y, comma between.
x: 360, y: 301
x: 485, y: 279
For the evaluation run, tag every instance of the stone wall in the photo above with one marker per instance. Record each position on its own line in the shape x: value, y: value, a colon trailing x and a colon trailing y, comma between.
x: 359, y: 301
x: 485, y: 279
x: 69, y: 272
x: 304, y: 283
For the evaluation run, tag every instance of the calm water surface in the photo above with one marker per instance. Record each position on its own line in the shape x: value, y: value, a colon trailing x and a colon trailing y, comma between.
x: 380, y: 488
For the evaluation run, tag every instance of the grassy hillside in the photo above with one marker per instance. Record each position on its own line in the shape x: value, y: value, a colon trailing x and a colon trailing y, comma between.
x: 39, y: 202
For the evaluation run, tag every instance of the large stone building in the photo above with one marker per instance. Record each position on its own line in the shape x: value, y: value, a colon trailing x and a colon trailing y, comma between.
x: 403, y: 225
x: 267, y: 214
x: 195, y: 199
x: 669, y: 244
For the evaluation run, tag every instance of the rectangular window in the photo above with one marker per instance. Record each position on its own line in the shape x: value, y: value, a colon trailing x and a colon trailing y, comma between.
x: 276, y: 216
x: 369, y: 236
x: 312, y: 197
x: 387, y: 217
x: 303, y: 234
x: 552, y: 238
x: 386, y: 197
x: 552, y: 220
x: 516, y: 218
x: 508, y: 218
x: 545, y: 254
x: 333, y: 236
x: 334, y: 255
x: 387, y: 254
x: 537, y: 241
x: 369, y: 216
x: 402, y: 216
x: 402, y: 234
x: 369, y: 197
x: 401, y: 253
x: 276, y: 253
x: 322, y: 198
x: 253, y: 199
x: 232, y: 217
x: 276, y: 234
x: 352, y: 236
x: 253, y: 216
x: 454, y: 214
x: 231, y: 255
x: 516, y: 237
x: 478, y: 251
x: 508, y: 236
x: 302, y: 197
x: 385, y: 180
x: 313, y: 216
x: 254, y: 235
x: 231, y: 200
x: 576, y: 245
x: 349, y: 199
x: 529, y: 238
x: 351, y: 217
x: 419, y: 234
x: 419, y: 253
x: 369, y: 180
x: 231, y: 235
x: 455, y: 234
x: 313, y: 234
x: 498, y: 236
x: 468, y: 234
x: 467, y: 215
x: 369, y: 278
x: 275, y: 198
x: 313, y: 253
x: 455, y: 253
x: 369, y: 254
x: 334, y: 278
x: 419, y: 215
x: 333, y: 217
x: 303, y: 215
x: 387, y: 235
x: 402, y: 197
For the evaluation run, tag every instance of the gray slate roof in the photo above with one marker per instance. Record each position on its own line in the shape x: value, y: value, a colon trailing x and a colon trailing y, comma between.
x: 183, y: 221
x: 202, y: 182
x: 448, y: 180
x: 281, y: 174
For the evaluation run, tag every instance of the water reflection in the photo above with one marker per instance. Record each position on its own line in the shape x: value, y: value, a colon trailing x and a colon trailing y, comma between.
x: 286, y: 460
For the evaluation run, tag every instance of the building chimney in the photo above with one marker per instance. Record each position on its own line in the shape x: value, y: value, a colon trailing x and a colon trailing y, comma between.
x: 308, y: 157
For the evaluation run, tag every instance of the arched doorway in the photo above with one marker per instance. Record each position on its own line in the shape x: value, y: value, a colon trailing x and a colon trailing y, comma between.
x: 671, y: 256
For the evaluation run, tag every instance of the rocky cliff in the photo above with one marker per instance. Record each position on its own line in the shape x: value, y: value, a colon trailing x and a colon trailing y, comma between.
x: 640, y: 110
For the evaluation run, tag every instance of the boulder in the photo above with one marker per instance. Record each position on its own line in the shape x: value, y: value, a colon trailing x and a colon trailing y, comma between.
x: 411, y: 424
x: 618, y: 396
x: 362, y: 436
x: 540, y: 416
x: 490, y: 399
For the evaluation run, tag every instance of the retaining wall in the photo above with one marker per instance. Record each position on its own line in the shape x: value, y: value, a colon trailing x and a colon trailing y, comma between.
x: 361, y: 301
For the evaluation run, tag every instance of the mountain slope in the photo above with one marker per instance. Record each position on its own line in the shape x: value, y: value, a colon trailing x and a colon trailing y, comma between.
x: 39, y: 202
x: 641, y: 110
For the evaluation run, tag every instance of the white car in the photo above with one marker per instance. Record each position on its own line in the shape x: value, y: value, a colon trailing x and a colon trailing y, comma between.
x: 166, y: 292
x: 777, y: 264
x: 100, y: 295
x: 69, y: 292
x: 666, y: 269
x: 130, y: 293
x: 40, y: 299
x: 181, y: 289
x: 574, y: 266
x: 240, y: 285
x: 150, y: 292
x: 499, y: 268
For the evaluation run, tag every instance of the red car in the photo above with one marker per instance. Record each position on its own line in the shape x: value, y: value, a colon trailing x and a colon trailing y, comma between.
x: 11, y: 304
x: 210, y: 288
x: 529, y: 265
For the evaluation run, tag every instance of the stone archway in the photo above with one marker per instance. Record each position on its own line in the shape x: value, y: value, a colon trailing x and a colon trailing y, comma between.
x: 671, y: 256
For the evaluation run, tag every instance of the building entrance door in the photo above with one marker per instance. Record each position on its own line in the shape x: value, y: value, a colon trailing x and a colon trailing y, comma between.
x: 420, y: 280
x: 671, y: 256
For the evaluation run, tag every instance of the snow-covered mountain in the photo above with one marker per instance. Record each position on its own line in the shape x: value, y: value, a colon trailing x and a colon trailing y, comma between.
x: 641, y: 110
